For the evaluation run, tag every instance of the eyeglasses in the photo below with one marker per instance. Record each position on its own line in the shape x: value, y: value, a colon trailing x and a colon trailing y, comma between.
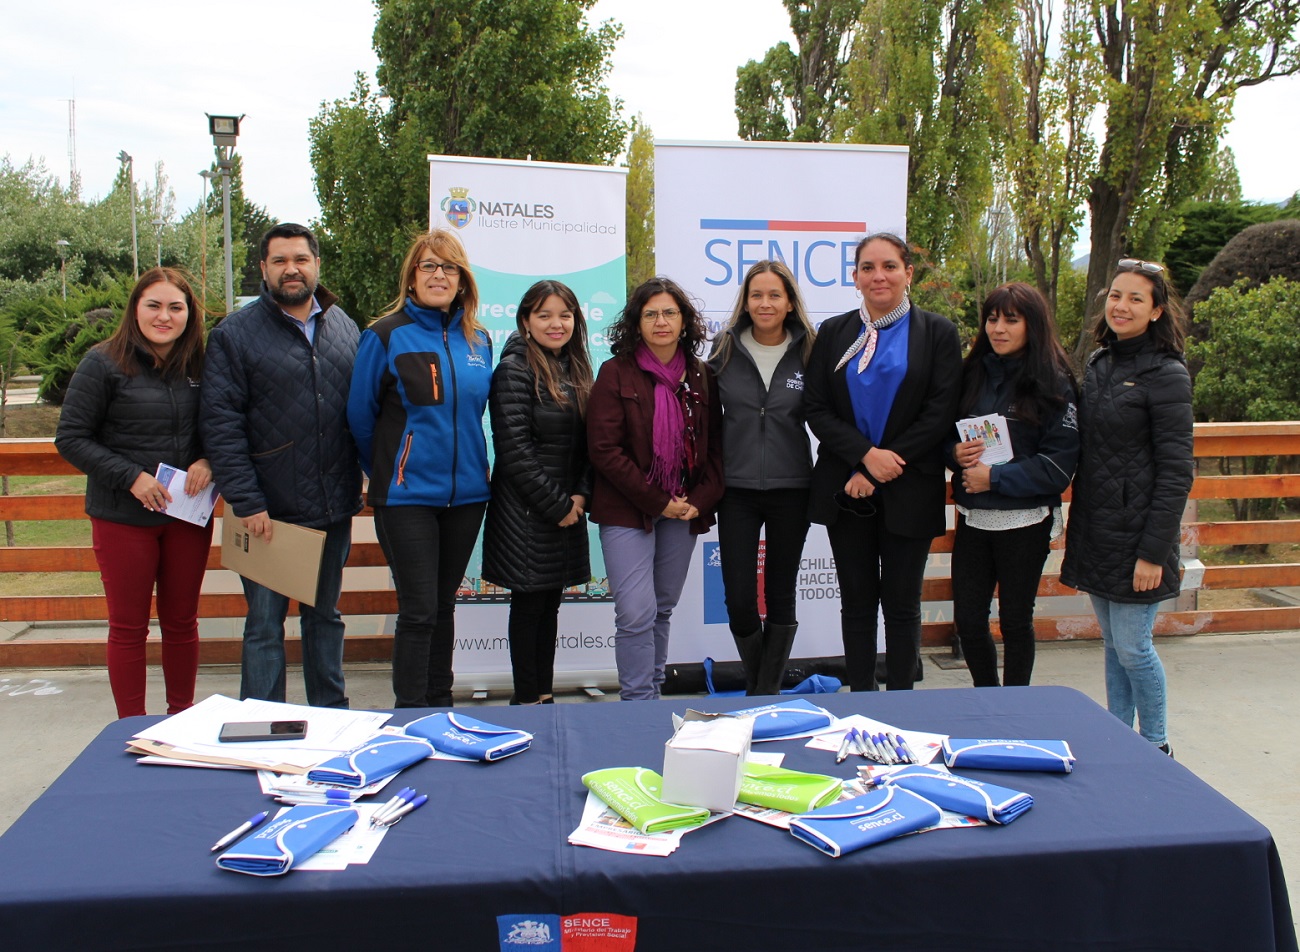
x: 431, y: 267
x: 1137, y: 264
x: 669, y: 314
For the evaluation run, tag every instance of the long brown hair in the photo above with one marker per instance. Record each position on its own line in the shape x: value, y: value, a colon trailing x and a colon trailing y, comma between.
x: 446, y: 246
x: 546, y: 369
x: 131, y: 350
x: 797, y: 310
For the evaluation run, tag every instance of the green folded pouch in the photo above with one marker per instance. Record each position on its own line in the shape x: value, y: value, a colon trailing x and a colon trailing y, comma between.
x: 788, y: 790
x: 633, y: 793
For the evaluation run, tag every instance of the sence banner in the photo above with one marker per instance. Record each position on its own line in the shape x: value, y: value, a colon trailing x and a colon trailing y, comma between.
x: 720, y: 207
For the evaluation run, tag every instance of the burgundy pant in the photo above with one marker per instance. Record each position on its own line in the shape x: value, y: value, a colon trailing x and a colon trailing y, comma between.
x: 132, y: 559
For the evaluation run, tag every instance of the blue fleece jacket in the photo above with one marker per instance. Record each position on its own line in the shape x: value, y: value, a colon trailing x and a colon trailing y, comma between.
x: 416, y: 409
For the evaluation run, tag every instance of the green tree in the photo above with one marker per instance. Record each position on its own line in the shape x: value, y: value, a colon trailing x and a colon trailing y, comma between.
x: 640, y: 204
x: 1207, y: 227
x: 1172, y: 71
x: 1043, y: 103
x: 1251, y: 354
x: 794, y: 96
x: 1223, y: 181
x: 918, y: 77
x: 504, y: 79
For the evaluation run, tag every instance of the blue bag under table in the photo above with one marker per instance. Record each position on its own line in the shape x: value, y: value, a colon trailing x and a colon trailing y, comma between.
x: 1129, y: 852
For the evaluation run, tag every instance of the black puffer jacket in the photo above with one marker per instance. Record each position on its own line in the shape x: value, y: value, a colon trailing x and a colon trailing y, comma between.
x: 1135, y: 471
x: 541, y: 460
x: 275, y: 414
x: 114, y: 427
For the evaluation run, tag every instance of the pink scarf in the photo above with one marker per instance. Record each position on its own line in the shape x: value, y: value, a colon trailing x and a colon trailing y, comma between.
x: 669, y: 424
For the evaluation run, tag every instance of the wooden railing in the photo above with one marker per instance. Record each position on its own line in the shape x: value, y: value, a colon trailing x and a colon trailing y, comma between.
x: 1213, y: 440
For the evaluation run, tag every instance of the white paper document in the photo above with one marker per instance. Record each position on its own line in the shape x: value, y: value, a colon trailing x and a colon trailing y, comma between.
x: 330, y: 731
x: 995, y: 433
x: 197, y: 508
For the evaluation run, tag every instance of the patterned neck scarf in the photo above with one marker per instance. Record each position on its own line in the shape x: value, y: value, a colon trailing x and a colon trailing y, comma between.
x: 866, y: 342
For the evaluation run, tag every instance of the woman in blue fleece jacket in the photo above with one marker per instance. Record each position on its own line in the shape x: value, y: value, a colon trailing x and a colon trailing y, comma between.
x: 419, y: 389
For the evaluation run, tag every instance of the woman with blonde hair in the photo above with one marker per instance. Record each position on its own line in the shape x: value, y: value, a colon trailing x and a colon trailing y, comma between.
x: 759, y: 360
x: 419, y: 389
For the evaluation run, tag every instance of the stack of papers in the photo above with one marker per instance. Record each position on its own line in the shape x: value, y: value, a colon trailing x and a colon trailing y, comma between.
x: 190, y: 737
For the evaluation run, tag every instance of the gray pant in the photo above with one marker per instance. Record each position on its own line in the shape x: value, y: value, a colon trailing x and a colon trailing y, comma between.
x: 646, y: 573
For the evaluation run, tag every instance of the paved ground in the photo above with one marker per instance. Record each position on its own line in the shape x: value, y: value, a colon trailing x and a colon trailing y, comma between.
x: 1232, y: 699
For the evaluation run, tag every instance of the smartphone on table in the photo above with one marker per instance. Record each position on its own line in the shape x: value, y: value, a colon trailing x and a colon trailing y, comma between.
x: 255, y: 731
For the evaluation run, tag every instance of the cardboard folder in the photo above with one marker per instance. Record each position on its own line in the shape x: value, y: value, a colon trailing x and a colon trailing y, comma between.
x: 288, y: 564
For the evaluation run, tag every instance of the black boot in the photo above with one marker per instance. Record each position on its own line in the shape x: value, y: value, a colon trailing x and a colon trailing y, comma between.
x: 777, y: 643
x: 750, y: 648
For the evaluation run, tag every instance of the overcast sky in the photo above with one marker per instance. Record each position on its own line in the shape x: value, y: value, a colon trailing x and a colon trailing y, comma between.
x: 143, y: 73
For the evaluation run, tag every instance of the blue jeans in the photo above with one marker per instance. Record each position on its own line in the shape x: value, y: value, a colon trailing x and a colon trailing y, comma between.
x: 646, y: 573
x: 322, y: 632
x: 1135, y: 678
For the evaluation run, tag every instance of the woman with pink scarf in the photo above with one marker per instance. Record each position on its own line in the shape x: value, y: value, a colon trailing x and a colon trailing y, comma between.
x: 654, y: 434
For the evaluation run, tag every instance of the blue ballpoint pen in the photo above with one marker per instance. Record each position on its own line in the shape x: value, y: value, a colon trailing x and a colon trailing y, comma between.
x: 240, y: 830
x: 404, y: 809
x: 884, y: 749
x: 863, y: 744
x: 845, y: 744
x: 877, y: 749
x: 900, y: 748
x: 405, y: 796
x: 907, y: 749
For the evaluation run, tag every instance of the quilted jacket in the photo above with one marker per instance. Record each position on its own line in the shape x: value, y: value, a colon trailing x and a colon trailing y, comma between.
x: 1135, y: 471
x: 541, y: 460
x: 114, y: 427
x: 274, y: 409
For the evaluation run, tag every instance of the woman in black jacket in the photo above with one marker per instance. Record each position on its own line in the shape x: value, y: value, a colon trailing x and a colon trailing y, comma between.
x: 132, y: 404
x: 1008, y: 513
x: 759, y: 360
x: 1135, y: 472
x: 535, y: 542
x: 881, y: 394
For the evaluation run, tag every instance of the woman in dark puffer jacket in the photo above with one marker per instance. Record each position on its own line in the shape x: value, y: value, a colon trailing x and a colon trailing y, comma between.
x: 133, y: 404
x: 1135, y: 471
x: 535, y: 542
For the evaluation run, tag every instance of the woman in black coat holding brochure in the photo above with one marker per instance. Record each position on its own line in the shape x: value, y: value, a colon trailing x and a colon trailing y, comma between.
x: 132, y: 405
x: 1008, y: 512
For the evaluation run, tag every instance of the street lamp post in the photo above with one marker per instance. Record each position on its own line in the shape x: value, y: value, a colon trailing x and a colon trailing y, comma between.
x: 62, y: 244
x: 158, y: 224
x: 224, y: 131
x: 129, y: 164
x: 203, y: 257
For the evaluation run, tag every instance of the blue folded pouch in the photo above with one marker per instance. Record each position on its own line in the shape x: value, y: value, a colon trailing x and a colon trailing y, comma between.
x: 464, y: 736
x: 296, y: 834
x: 377, y: 758
x: 864, y: 821
x: 787, y: 719
x: 985, y: 801
x: 1052, y: 756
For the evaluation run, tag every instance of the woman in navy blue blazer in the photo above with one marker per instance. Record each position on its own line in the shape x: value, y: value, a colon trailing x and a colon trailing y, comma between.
x: 881, y: 394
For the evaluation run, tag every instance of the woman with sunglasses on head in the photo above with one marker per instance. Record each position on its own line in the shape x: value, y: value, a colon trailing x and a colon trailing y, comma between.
x: 535, y: 539
x: 419, y: 389
x: 881, y: 394
x: 132, y: 404
x: 759, y: 360
x: 1135, y: 471
x: 1008, y: 513
x: 653, y: 433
